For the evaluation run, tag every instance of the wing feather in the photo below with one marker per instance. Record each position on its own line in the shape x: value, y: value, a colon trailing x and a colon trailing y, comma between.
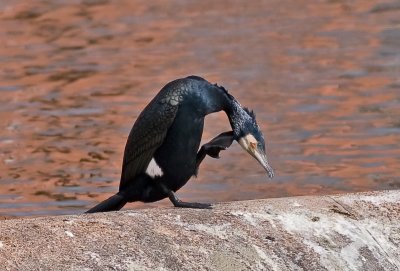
x: 149, y: 131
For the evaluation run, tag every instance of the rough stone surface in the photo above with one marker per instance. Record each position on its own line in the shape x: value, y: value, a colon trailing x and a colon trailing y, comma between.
x: 342, y: 232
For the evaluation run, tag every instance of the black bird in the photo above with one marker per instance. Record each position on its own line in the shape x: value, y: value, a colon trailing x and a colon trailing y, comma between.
x: 161, y: 153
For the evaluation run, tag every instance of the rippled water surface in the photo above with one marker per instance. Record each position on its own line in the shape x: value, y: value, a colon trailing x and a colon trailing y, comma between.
x: 323, y: 77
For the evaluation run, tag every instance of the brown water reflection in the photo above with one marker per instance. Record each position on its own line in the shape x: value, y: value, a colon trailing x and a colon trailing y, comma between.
x: 323, y: 77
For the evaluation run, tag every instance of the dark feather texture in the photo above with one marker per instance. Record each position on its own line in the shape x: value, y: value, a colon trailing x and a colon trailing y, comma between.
x: 150, y: 130
x: 250, y: 112
x: 169, y: 131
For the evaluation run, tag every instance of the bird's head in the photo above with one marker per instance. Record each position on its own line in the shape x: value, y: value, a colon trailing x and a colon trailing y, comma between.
x: 248, y: 134
x: 246, y: 130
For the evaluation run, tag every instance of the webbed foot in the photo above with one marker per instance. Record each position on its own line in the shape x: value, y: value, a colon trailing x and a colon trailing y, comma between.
x: 194, y: 205
x: 181, y: 204
x: 218, y: 143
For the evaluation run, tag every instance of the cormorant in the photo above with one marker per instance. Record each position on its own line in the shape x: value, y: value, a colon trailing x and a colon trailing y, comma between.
x: 161, y: 153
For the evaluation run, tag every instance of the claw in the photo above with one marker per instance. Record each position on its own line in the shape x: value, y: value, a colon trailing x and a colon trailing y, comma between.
x: 218, y: 143
x: 212, y: 148
x: 223, y: 140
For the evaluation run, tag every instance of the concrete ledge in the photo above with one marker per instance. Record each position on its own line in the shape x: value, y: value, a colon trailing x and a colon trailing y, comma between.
x: 344, y: 232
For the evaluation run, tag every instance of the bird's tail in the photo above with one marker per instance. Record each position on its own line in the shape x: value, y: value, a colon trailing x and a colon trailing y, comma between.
x: 113, y: 203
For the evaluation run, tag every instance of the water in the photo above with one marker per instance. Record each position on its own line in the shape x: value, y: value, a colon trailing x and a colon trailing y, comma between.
x: 322, y: 76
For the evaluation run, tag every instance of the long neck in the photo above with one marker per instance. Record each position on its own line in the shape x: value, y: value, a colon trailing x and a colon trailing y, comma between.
x: 236, y: 115
x: 215, y: 99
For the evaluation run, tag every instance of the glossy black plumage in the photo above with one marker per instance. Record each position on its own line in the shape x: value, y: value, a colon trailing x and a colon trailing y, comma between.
x: 169, y: 131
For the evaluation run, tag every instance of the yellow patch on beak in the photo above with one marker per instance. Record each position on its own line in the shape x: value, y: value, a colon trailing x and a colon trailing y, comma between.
x: 249, y: 143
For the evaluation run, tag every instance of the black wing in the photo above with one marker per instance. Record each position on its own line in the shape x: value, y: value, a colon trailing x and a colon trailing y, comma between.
x: 150, y: 129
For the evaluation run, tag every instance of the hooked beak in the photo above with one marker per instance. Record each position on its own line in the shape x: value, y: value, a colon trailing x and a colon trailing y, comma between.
x: 261, y: 157
x: 257, y: 153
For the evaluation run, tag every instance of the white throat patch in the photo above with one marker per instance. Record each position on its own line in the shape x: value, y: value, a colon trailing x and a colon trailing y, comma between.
x: 153, y: 169
x: 246, y: 141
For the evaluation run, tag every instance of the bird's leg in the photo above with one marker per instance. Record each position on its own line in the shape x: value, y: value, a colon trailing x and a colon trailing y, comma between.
x: 212, y: 148
x: 218, y: 143
x: 178, y: 203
